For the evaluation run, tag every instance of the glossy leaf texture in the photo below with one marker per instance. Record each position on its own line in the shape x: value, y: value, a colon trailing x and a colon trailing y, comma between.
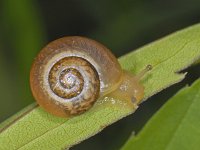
x: 35, y: 128
x: 175, y: 126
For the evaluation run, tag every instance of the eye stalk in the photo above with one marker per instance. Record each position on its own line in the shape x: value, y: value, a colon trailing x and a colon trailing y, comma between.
x: 144, y: 71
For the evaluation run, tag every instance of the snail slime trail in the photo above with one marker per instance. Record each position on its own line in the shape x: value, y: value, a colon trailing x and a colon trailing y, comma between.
x: 68, y: 76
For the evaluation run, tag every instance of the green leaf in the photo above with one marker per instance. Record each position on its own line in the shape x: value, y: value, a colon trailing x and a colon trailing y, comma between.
x: 175, y: 126
x: 40, y: 130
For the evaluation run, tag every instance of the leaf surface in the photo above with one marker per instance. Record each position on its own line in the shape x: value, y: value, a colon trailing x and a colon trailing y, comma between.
x: 37, y: 129
x: 175, y: 126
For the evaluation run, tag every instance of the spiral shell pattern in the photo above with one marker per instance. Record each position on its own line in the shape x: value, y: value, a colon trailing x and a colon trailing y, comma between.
x: 71, y: 73
x: 76, y: 81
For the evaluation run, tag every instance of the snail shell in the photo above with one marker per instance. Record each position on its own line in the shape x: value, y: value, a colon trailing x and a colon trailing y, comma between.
x: 70, y: 73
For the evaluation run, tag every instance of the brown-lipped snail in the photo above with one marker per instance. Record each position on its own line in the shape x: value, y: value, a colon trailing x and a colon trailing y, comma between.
x: 71, y: 73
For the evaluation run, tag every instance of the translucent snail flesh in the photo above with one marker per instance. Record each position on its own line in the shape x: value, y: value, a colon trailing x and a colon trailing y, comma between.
x: 71, y: 73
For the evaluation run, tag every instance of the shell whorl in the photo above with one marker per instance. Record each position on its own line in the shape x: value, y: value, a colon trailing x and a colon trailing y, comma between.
x: 76, y: 83
x: 67, y: 77
x: 70, y: 73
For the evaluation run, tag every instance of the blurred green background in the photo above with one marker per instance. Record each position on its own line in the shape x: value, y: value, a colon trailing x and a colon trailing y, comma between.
x: 28, y: 25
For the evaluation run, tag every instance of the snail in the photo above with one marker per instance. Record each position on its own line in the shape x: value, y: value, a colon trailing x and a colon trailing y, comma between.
x: 71, y: 73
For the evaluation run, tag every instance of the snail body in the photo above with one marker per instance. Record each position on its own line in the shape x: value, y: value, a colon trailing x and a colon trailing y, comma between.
x: 71, y: 73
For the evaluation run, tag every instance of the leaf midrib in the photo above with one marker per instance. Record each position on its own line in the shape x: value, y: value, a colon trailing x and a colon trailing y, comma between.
x: 167, y: 59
